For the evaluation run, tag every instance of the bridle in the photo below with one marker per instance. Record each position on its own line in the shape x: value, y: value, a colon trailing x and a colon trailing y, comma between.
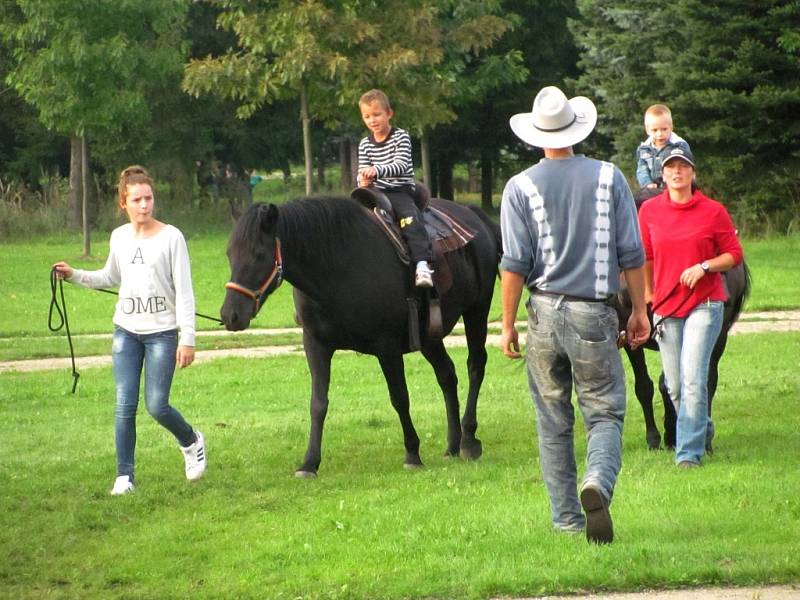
x: 276, y: 276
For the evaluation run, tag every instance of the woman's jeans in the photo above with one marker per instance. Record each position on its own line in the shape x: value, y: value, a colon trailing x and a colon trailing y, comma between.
x: 156, y: 353
x: 686, y: 344
x: 574, y: 341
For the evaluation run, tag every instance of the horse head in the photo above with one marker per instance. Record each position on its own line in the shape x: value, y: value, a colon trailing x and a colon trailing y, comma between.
x: 254, y: 255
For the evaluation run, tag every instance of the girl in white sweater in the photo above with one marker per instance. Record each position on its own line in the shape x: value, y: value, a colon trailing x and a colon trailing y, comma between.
x: 153, y: 322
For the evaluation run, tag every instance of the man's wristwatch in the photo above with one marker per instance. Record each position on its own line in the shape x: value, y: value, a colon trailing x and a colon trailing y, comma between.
x: 705, y: 266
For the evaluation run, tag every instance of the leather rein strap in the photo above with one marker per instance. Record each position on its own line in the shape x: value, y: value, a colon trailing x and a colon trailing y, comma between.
x: 276, y: 275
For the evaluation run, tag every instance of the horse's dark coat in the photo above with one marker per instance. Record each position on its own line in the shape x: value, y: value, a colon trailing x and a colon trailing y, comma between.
x: 350, y: 292
x: 738, y: 283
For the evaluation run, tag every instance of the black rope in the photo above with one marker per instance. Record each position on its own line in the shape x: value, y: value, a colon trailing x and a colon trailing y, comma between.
x: 197, y: 314
x: 677, y: 308
x: 61, y: 310
x: 56, y: 290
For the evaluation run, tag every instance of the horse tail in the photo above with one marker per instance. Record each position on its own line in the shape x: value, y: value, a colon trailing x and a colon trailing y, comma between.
x: 737, y: 303
x: 493, y: 227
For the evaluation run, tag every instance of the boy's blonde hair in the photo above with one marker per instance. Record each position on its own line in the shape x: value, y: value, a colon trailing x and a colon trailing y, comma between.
x: 375, y: 96
x: 658, y: 110
x: 131, y: 176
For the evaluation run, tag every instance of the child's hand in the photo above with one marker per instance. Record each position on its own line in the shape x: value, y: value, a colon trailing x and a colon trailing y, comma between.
x: 63, y: 270
x: 184, y: 356
x: 366, y: 176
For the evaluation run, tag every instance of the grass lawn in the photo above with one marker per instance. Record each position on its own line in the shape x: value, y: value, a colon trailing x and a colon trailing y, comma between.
x: 25, y: 293
x: 367, y: 528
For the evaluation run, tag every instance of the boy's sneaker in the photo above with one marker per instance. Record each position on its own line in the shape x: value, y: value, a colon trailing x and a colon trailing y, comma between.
x: 424, y: 277
x: 122, y: 485
x: 195, y: 458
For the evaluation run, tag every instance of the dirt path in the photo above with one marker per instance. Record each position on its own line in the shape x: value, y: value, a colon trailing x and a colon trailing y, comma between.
x: 777, y: 592
x: 749, y: 323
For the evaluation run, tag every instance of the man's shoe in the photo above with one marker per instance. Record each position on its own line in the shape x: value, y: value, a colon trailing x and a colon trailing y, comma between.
x: 424, y: 277
x: 599, y: 528
x: 688, y: 464
x: 195, y: 458
x: 122, y: 485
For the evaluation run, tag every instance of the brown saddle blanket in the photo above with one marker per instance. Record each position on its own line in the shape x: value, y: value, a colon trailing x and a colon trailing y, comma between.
x: 446, y: 234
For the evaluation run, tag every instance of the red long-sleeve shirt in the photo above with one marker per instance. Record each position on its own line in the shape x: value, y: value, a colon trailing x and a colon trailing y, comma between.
x: 676, y: 236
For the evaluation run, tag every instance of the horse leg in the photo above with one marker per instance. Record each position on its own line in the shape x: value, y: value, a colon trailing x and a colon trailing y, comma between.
x: 394, y: 372
x: 318, y: 357
x: 475, y: 326
x: 670, y: 416
x: 445, y: 371
x: 643, y: 387
x: 713, y: 378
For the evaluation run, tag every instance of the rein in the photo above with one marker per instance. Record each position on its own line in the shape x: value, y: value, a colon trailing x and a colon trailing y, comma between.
x: 62, y: 313
x: 653, y: 332
x: 276, y: 274
x: 57, y: 285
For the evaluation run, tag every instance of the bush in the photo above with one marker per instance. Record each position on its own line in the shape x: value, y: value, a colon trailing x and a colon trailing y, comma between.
x: 25, y: 212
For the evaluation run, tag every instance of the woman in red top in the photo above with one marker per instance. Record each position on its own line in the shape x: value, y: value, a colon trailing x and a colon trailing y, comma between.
x: 689, y: 240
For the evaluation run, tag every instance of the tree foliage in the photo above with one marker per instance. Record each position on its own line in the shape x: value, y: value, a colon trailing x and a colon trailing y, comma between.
x: 428, y: 55
x: 730, y: 71
x: 85, y: 68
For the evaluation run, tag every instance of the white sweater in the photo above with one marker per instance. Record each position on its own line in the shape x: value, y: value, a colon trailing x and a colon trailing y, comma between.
x: 155, y: 282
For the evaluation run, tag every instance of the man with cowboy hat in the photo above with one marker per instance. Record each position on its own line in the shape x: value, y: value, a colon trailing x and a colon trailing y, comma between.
x: 569, y: 228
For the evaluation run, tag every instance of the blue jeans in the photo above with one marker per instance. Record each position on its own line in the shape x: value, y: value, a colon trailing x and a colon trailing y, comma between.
x: 686, y: 345
x: 156, y: 353
x: 573, y: 341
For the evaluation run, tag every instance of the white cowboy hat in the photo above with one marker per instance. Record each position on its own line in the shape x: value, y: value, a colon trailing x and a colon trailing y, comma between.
x: 555, y: 122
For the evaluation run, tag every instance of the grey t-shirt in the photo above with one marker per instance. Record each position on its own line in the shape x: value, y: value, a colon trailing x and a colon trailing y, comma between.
x: 569, y: 226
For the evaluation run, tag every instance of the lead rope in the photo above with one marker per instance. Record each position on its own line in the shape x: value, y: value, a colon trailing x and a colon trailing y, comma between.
x: 654, y: 332
x: 57, y: 284
x: 62, y: 313
x: 197, y: 314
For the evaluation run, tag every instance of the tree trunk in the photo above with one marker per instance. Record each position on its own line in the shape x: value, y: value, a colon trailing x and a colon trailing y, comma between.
x: 87, y: 233
x: 426, y: 159
x: 446, y: 179
x: 321, y: 170
x: 306, y: 120
x: 286, y: 169
x: 74, y: 218
x: 353, y: 163
x: 344, y: 164
x: 487, y: 179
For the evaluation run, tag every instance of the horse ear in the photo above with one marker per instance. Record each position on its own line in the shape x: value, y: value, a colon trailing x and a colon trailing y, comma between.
x: 236, y: 212
x: 268, y: 217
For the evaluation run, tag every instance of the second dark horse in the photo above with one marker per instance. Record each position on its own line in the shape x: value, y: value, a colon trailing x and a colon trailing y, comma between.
x: 737, y: 281
x: 350, y: 292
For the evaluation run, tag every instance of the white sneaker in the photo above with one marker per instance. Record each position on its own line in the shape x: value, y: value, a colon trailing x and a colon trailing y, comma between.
x: 195, y: 458
x: 424, y: 277
x: 122, y: 485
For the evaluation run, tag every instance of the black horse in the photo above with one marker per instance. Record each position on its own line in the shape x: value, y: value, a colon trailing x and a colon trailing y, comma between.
x: 738, y: 283
x: 351, y: 291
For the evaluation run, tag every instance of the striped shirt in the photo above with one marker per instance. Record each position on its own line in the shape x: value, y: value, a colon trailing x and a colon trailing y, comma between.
x: 391, y: 159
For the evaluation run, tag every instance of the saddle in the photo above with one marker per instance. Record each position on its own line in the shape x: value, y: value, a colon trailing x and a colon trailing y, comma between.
x: 446, y: 235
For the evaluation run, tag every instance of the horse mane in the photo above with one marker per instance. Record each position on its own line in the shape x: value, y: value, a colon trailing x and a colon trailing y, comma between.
x: 317, y: 225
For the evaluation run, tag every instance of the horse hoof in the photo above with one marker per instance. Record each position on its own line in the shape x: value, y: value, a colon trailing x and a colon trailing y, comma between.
x: 300, y: 474
x: 654, y: 441
x: 471, y: 451
x: 413, y: 466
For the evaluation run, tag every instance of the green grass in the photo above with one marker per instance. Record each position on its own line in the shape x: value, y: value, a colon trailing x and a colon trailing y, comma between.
x: 25, y: 293
x: 16, y: 348
x: 367, y: 528
x: 775, y: 268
